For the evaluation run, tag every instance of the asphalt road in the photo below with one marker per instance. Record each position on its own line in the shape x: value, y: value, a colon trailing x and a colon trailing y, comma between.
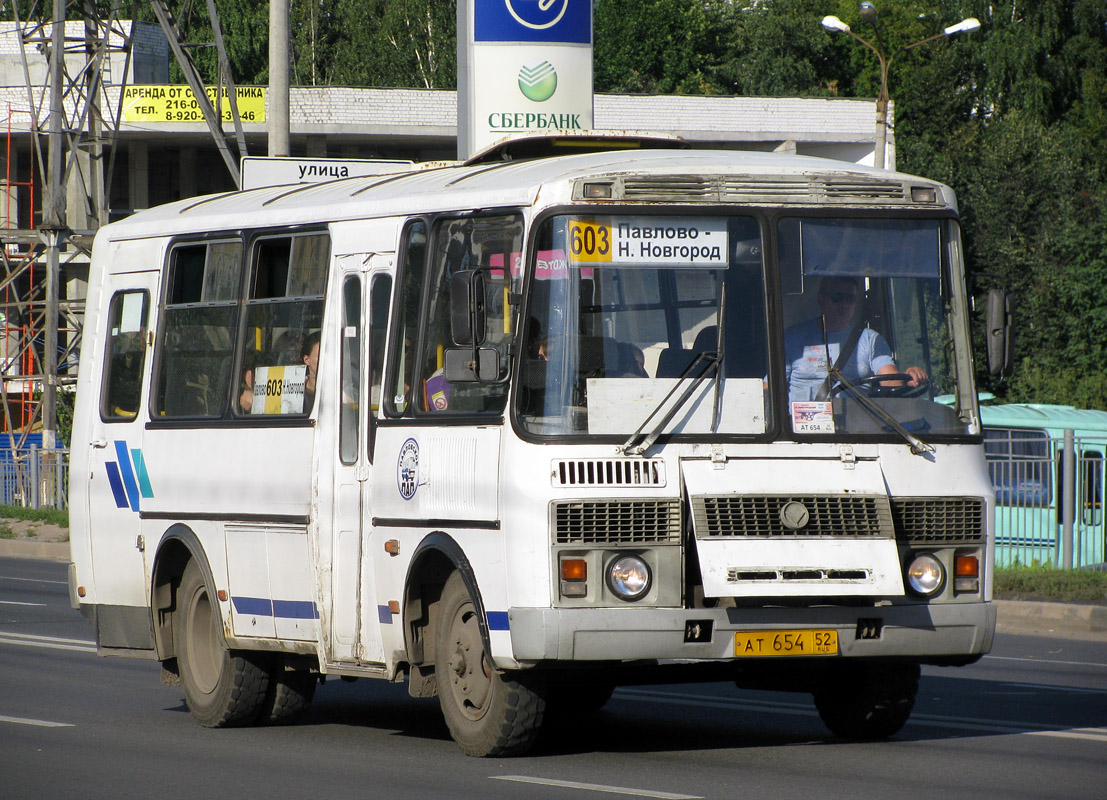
x: 1028, y: 721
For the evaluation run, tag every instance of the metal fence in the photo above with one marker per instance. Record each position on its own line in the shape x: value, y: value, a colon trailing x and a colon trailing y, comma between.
x: 1049, y: 498
x: 34, y: 478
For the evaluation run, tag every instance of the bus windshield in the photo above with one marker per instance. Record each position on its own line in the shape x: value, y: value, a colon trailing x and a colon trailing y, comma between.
x: 661, y: 324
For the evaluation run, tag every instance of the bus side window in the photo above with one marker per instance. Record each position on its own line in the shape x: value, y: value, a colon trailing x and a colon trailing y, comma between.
x: 1091, y: 486
x: 350, y: 369
x: 197, y: 332
x: 379, y: 301
x: 406, y: 318
x: 279, y: 357
x: 125, y: 356
x: 479, y: 242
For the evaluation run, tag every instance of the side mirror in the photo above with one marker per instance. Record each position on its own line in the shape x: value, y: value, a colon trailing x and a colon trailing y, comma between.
x: 1000, y: 332
x: 466, y: 365
x: 467, y: 312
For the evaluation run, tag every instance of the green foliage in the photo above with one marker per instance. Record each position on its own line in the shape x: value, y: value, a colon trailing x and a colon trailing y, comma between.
x: 1051, y: 585
x: 52, y: 516
x: 682, y: 54
x: 6, y: 531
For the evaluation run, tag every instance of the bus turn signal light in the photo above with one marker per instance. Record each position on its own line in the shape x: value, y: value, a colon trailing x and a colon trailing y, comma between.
x: 574, y: 577
x: 966, y: 573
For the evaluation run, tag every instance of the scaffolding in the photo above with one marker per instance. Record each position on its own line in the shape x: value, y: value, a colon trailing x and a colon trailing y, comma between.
x: 55, y: 199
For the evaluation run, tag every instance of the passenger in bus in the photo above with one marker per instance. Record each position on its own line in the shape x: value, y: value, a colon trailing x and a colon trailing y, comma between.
x: 309, y: 354
x: 858, y: 351
x: 245, y: 398
x: 632, y: 361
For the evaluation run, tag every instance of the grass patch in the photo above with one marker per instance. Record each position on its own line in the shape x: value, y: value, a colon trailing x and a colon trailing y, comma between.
x: 6, y: 531
x: 1051, y: 585
x: 51, y: 516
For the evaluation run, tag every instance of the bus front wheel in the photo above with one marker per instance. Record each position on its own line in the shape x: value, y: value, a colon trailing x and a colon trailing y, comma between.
x: 867, y: 700
x: 488, y: 713
x: 222, y: 688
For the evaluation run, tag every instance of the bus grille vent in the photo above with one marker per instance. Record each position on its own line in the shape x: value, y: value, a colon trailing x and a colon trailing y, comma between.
x: 676, y: 187
x: 585, y: 522
x: 939, y: 519
x: 609, y: 472
x: 780, y: 190
x: 865, y: 190
x: 768, y: 189
x: 844, y: 516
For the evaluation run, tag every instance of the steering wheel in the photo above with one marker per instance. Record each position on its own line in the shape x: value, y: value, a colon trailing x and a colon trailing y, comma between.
x: 878, y: 390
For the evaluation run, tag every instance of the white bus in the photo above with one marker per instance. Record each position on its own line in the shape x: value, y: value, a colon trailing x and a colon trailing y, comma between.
x: 519, y: 432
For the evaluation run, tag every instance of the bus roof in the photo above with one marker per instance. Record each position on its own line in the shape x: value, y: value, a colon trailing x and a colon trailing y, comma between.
x: 1045, y: 417
x: 711, y: 176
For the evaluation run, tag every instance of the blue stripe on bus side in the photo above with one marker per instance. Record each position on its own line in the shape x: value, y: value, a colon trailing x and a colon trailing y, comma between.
x: 258, y: 606
x: 116, y: 485
x: 140, y: 469
x: 127, y: 474
x: 280, y: 609
x: 295, y: 609
x: 498, y: 621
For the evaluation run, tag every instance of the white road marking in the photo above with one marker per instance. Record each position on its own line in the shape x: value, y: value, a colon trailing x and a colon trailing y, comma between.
x: 1000, y: 727
x: 17, y: 603
x: 52, y: 642
x: 596, y: 787
x: 41, y: 723
x: 32, y: 580
x: 1046, y: 661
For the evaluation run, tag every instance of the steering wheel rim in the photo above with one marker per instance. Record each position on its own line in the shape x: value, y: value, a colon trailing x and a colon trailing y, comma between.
x: 903, y: 390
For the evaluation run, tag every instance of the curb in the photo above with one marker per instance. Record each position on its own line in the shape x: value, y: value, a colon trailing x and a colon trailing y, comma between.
x: 1061, y: 619
x: 1013, y: 616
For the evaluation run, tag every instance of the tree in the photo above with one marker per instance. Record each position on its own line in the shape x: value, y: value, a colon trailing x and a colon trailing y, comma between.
x: 659, y: 46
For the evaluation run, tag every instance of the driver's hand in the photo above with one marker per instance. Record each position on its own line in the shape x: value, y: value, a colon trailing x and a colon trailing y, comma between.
x: 918, y: 376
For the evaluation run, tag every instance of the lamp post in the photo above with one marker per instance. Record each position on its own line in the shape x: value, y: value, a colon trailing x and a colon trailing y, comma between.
x: 868, y: 13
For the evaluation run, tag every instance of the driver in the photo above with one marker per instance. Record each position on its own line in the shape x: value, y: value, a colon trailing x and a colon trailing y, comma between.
x: 805, y: 350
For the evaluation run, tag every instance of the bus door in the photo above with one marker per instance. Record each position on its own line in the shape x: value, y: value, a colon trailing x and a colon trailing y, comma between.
x: 353, y: 631
x: 1090, y: 529
x: 119, y: 484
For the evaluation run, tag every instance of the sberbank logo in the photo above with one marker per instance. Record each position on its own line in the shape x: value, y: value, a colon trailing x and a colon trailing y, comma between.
x: 538, y: 82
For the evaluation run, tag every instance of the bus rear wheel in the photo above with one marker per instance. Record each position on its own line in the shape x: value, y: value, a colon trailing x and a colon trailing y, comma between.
x: 867, y: 701
x: 289, y: 696
x: 222, y: 688
x: 488, y: 713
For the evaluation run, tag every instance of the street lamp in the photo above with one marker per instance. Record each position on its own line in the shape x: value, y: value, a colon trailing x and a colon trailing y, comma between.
x: 868, y: 13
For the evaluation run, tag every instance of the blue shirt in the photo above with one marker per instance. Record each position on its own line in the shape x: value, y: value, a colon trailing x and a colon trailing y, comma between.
x: 805, y: 357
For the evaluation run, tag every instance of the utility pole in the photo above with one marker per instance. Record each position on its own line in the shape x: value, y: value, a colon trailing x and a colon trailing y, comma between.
x: 53, y: 229
x: 278, y: 78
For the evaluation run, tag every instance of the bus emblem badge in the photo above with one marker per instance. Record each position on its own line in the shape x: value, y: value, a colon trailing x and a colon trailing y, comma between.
x: 407, y: 469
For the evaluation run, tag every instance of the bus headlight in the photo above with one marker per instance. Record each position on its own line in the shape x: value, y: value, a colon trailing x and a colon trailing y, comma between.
x: 628, y: 577
x: 925, y: 575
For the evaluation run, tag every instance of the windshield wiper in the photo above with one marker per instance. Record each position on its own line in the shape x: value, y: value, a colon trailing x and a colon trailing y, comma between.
x: 705, y: 362
x: 918, y: 446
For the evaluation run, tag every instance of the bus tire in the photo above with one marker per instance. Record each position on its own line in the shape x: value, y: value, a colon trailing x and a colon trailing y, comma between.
x: 867, y: 700
x: 489, y: 713
x: 289, y: 695
x: 222, y: 688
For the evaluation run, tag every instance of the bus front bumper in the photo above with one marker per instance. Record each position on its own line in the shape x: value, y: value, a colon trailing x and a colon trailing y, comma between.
x: 940, y: 633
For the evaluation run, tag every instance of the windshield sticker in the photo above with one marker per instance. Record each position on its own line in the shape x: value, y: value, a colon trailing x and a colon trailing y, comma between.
x: 652, y: 242
x: 813, y: 416
x: 407, y: 469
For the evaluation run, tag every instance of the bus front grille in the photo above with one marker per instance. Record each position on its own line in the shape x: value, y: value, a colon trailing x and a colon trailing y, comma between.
x: 587, y: 522
x: 846, y: 516
x: 929, y: 520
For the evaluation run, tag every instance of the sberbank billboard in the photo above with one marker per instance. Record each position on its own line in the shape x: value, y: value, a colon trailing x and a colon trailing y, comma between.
x: 523, y: 66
